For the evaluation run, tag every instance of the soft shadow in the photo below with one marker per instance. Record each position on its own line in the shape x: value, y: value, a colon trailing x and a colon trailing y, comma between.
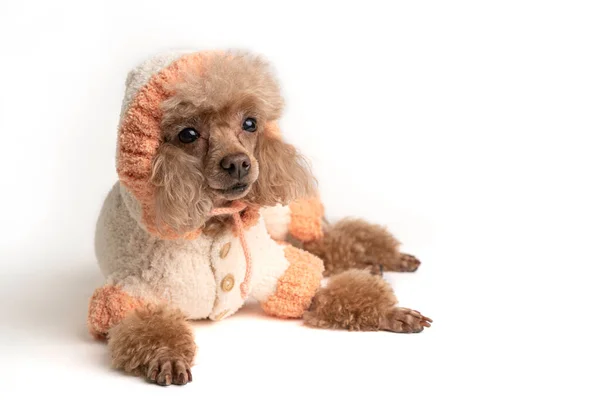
x: 52, y: 305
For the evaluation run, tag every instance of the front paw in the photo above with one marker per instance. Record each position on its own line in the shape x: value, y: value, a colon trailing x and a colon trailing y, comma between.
x: 404, y: 320
x: 169, y: 370
x: 155, y: 342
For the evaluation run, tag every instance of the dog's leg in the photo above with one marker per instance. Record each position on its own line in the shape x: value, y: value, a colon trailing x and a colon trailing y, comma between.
x: 356, y: 244
x: 359, y: 301
x: 156, y: 342
x: 143, y: 339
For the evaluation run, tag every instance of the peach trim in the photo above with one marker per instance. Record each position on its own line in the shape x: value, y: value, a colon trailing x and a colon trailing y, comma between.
x: 272, y: 130
x: 306, y: 217
x: 235, y: 210
x: 297, y: 286
x: 140, y: 136
x: 108, y: 306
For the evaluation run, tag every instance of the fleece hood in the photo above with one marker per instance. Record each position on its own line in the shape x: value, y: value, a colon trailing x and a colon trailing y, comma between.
x: 148, y: 85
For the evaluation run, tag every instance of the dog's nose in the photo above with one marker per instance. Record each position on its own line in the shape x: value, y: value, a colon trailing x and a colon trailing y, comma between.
x: 236, y: 165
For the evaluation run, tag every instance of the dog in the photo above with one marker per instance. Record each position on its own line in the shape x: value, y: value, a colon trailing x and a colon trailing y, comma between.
x: 213, y: 207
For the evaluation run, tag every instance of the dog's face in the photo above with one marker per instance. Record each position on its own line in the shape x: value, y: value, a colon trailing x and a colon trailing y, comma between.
x: 219, y: 144
x: 223, y: 144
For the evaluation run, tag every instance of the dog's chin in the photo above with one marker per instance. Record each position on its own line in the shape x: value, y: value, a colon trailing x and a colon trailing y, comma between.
x: 235, y: 192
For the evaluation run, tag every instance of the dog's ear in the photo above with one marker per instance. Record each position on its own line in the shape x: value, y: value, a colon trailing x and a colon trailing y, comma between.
x: 284, y: 175
x: 181, y: 201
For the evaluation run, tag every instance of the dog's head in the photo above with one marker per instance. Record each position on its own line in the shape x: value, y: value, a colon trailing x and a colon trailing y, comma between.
x: 218, y: 141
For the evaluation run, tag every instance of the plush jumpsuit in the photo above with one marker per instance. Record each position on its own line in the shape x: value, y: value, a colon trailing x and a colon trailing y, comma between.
x: 205, y: 276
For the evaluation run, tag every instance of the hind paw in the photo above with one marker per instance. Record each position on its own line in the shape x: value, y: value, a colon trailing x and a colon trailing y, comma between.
x: 405, y: 320
x: 408, y: 263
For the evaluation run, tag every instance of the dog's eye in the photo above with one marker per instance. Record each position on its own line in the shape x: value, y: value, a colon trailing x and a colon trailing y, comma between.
x: 188, y: 135
x: 249, y: 125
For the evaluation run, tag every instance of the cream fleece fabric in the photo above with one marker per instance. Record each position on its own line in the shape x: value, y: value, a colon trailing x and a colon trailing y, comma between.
x: 141, y: 74
x: 202, y: 277
x: 278, y: 220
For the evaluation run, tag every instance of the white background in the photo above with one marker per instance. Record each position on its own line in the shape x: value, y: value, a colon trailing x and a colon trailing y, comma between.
x: 469, y: 128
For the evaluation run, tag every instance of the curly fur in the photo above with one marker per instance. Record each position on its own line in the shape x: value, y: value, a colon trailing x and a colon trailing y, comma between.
x: 214, y: 99
x: 356, y: 244
x: 188, y: 182
x: 156, y: 342
x: 284, y: 175
x: 359, y: 301
x: 233, y: 77
x: 181, y: 202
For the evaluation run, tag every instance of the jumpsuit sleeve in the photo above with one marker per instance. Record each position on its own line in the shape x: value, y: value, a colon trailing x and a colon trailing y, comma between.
x: 306, y: 219
x: 112, y: 302
x: 296, y: 286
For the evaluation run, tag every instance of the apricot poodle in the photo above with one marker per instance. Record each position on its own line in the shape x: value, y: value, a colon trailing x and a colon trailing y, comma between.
x: 212, y: 207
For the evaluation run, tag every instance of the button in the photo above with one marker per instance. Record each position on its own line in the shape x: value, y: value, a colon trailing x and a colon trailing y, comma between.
x: 227, y: 283
x: 225, y: 250
x: 221, y: 315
